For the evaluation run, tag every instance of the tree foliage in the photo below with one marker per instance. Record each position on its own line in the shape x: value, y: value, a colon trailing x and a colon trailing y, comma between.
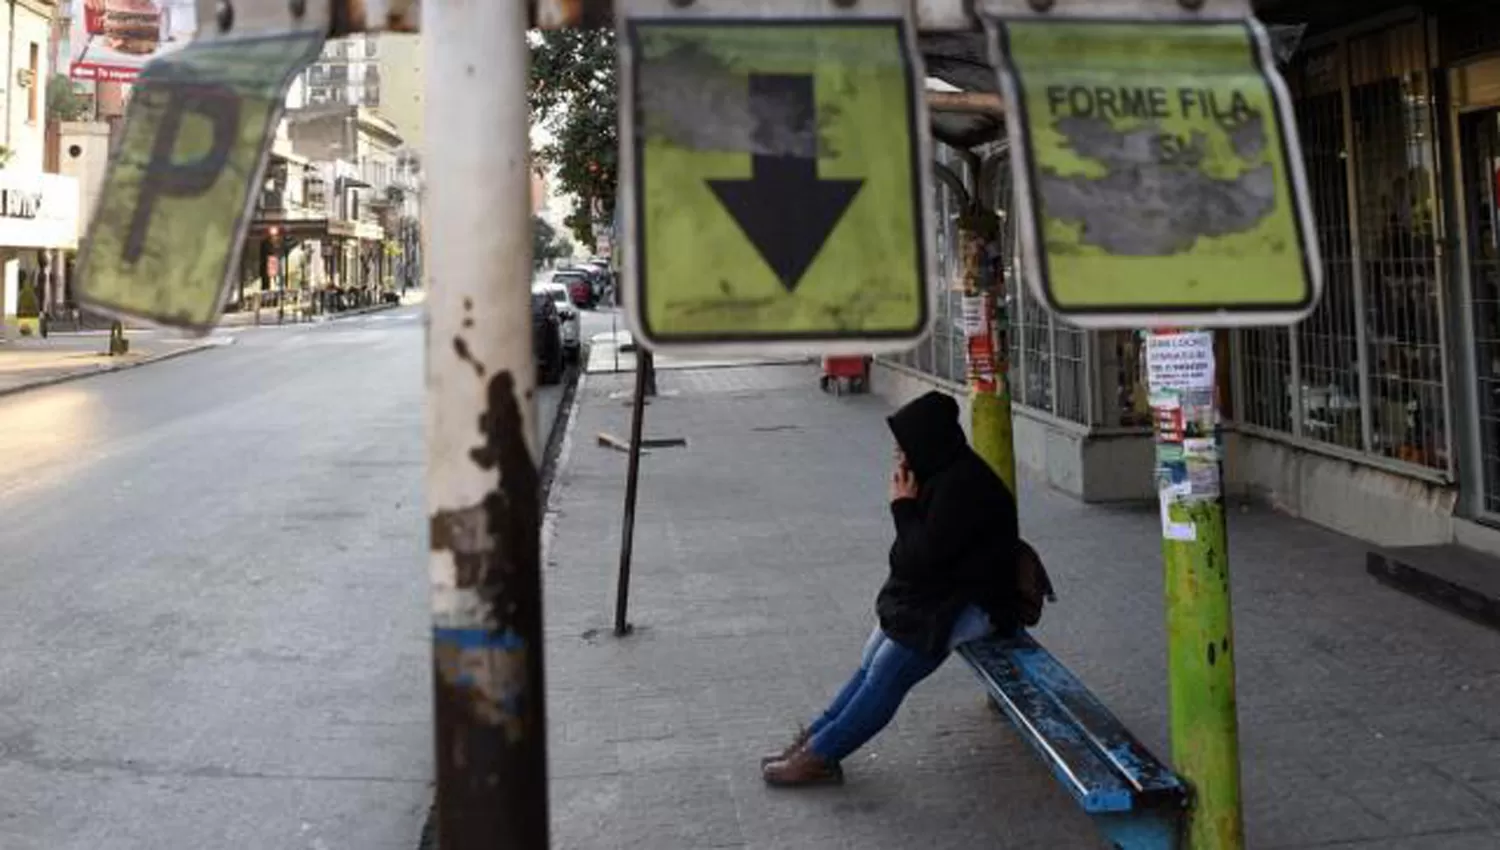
x: 572, y: 95
x: 65, y: 102
x: 546, y: 244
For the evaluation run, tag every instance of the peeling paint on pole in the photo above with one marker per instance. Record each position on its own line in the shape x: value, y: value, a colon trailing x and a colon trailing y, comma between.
x: 487, y: 637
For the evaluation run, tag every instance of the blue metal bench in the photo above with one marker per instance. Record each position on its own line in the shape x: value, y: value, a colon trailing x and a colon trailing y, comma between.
x: 1134, y: 799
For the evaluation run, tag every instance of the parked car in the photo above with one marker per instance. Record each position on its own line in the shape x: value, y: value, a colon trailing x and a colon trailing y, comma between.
x: 546, y: 338
x: 567, y: 312
x: 599, y: 278
x: 605, y: 281
x: 580, y: 289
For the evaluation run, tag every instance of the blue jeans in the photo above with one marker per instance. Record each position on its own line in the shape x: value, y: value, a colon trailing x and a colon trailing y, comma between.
x: 887, y: 672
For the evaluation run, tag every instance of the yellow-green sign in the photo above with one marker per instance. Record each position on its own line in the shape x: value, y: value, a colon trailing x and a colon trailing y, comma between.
x: 1159, y: 179
x: 778, y: 183
x: 165, y: 241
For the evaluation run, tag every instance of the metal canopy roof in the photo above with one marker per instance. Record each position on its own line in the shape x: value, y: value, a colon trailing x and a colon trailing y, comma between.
x: 961, y: 60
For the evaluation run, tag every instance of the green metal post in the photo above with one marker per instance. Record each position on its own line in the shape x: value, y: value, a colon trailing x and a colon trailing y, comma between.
x: 993, y: 435
x: 1200, y: 634
x: 986, y: 329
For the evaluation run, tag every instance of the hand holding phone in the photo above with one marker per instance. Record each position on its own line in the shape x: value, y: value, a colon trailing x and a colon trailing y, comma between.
x: 903, y: 483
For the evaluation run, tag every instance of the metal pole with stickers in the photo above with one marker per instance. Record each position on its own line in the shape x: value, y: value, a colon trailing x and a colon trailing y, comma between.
x: 1160, y: 186
x: 1195, y: 549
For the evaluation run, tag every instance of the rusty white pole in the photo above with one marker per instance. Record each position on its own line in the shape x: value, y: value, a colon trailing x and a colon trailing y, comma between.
x: 482, y: 480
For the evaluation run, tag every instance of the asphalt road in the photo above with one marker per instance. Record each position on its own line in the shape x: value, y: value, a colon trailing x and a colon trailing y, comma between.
x: 213, y: 601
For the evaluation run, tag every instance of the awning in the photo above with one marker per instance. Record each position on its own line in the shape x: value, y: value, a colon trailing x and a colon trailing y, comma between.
x: 303, y: 229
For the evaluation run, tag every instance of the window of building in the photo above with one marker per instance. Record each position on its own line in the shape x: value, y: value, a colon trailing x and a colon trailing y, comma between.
x: 316, y: 193
x: 33, y: 99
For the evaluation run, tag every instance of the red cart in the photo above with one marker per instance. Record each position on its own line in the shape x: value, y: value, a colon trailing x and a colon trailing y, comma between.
x: 841, y: 372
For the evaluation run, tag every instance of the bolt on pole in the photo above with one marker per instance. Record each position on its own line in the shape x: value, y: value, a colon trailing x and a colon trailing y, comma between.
x: 1200, y: 634
x: 483, y: 483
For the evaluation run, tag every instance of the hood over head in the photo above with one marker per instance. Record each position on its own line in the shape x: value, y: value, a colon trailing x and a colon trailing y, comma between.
x: 928, y: 432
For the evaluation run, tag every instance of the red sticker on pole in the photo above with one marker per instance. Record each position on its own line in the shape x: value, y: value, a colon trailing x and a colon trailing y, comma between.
x: 979, y: 343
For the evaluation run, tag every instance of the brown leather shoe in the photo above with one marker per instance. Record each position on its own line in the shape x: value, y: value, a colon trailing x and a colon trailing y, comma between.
x: 802, y: 735
x: 803, y: 767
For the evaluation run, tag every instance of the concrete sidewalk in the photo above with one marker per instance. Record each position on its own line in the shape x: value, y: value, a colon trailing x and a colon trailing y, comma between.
x: 614, y: 351
x: 1369, y: 720
x: 30, y: 362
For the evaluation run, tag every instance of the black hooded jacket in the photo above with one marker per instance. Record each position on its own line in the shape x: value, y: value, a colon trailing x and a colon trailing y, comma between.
x: 956, y: 542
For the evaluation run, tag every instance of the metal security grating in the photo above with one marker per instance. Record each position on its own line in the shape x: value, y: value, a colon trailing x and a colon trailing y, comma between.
x: 947, y: 341
x: 1399, y: 218
x: 1327, y: 404
x: 1048, y: 359
x: 1265, y: 362
x: 1365, y: 372
x: 1480, y: 146
x: 1013, y: 337
x: 925, y: 356
x: 1035, y: 332
x: 1069, y: 353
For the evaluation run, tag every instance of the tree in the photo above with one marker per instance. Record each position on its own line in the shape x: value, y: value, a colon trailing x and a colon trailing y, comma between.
x: 65, y: 102
x: 572, y: 95
x: 546, y: 245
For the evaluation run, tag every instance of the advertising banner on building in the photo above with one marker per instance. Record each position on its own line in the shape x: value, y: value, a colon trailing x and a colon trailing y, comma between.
x: 111, y: 40
x: 38, y: 210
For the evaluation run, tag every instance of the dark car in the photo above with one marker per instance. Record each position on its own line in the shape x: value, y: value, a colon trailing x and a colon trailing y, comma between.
x: 599, y: 279
x: 580, y: 288
x: 546, y: 339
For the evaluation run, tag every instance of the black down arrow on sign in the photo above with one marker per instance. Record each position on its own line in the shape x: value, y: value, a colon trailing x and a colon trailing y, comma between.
x: 784, y: 209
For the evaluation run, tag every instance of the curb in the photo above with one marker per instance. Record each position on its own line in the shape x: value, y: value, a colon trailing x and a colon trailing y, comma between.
x: 317, y: 320
x: 107, y: 370
x: 554, y: 453
x: 1447, y: 594
x: 351, y: 314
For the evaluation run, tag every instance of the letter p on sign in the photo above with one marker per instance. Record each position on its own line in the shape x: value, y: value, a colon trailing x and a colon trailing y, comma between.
x: 181, y: 191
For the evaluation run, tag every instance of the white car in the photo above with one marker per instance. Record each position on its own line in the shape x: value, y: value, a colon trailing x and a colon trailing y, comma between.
x: 572, y: 322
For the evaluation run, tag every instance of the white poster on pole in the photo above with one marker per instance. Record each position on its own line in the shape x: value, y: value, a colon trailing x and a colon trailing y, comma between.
x: 1182, y: 361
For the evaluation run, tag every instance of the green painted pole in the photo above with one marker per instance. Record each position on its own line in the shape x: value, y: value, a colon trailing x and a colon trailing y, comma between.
x: 994, y: 438
x: 986, y: 330
x: 1200, y: 634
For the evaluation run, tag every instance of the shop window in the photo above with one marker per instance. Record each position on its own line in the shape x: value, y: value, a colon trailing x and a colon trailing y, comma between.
x: 1328, y: 342
x: 1364, y: 372
x: 1396, y: 167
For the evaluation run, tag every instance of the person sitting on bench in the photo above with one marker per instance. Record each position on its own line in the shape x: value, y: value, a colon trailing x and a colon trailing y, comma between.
x: 952, y: 579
